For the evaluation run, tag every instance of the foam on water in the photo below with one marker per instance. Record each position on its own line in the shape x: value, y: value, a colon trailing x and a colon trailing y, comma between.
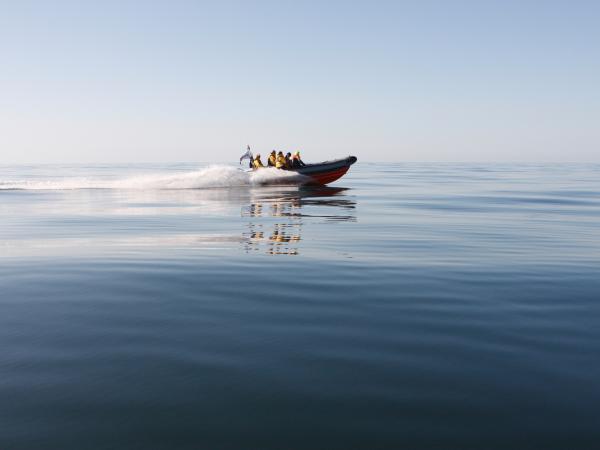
x: 211, y: 177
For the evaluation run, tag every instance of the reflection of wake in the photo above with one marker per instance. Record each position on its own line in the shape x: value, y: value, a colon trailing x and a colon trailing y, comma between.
x: 289, y: 208
x: 110, y: 220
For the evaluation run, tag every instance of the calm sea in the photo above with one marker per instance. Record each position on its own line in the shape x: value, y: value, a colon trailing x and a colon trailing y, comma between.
x: 417, y: 306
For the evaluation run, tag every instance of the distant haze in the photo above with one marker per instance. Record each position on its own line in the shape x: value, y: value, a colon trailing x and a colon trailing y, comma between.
x: 119, y: 81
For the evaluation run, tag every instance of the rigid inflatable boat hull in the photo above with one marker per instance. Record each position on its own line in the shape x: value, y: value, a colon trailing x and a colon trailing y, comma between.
x: 326, y: 172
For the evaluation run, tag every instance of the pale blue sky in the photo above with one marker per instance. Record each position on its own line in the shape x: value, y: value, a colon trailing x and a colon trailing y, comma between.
x: 119, y: 81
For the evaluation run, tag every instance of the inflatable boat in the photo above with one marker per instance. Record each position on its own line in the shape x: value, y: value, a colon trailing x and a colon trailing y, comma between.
x: 326, y: 172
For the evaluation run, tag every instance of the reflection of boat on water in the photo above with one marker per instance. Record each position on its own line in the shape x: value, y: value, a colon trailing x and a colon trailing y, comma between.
x: 291, y: 208
x: 278, y: 202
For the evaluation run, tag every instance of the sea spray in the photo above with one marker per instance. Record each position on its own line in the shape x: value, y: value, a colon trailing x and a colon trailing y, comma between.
x: 216, y: 176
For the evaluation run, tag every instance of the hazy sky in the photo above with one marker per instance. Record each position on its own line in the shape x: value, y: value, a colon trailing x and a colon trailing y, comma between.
x: 119, y: 81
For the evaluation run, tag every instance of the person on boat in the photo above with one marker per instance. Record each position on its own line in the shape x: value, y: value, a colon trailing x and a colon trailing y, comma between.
x: 248, y: 155
x: 256, y: 162
x: 288, y: 160
x: 280, y: 162
x: 272, y: 161
x: 296, y: 161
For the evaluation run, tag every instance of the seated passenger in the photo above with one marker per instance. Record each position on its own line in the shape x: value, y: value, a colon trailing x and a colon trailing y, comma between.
x: 256, y: 162
x: 280, y: 162
x: 288, y: 160
x: 296, y: 161
x: 272, y: 161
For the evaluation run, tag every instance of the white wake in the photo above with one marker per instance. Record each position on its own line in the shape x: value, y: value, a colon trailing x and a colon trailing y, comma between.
x: 210, y: 177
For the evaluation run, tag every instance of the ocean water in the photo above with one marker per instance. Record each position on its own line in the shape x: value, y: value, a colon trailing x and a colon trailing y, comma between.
x: 184, y: 306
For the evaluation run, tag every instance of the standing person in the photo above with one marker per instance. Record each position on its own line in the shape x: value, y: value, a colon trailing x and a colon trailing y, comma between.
x: 256, y: 162
x: 272, y: 161
x: 296, y: 161
x: 288, y: 160
x: 280, y: 162
x: 248, y: 155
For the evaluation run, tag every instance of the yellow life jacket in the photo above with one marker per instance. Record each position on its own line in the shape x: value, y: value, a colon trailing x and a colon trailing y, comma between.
x: 280, y: 163
x: 257, y: 163
x: 272, y: 160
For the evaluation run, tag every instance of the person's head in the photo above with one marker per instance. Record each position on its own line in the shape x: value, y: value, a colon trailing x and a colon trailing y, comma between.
x: 273, y: 152
x: 257, y: 156
x: 288, y: 154
x: 297, y: 154
x: 280, y: 153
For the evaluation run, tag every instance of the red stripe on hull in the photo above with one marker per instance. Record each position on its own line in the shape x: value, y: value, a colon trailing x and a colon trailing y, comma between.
x: 329, y: 177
